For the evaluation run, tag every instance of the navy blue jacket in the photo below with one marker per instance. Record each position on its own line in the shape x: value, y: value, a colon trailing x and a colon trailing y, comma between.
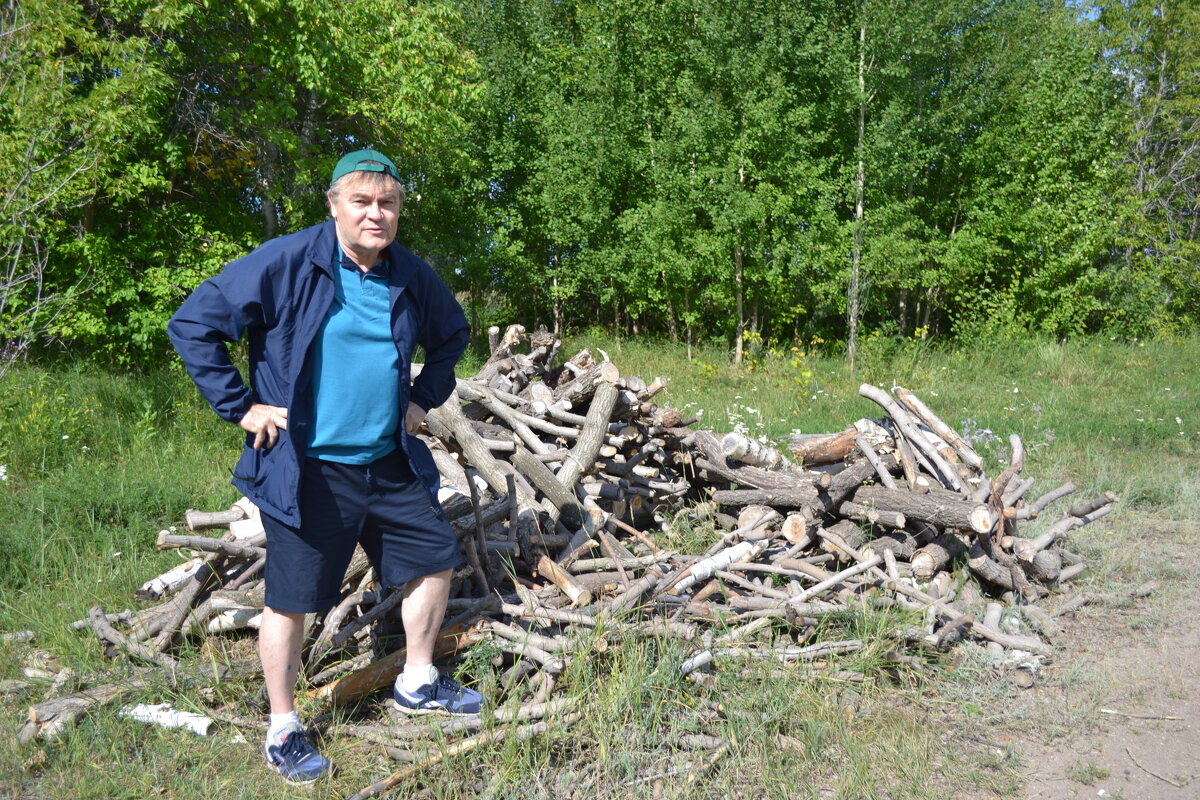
x: 279, y: 295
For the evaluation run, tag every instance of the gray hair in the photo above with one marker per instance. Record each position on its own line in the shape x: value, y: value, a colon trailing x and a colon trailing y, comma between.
x: 378, y: 180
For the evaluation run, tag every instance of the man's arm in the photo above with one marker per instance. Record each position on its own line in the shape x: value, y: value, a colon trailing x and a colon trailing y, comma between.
x: 214, y: 315
x: 444, y: 336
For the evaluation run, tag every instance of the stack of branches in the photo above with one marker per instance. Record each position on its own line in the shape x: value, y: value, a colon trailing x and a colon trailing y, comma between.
x: 558, y: 480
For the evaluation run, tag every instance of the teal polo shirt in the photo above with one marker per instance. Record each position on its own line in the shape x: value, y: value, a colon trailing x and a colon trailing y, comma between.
x: 356, y: 369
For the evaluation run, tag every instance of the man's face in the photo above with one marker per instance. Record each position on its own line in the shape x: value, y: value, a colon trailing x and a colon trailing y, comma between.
x: 365, y: 214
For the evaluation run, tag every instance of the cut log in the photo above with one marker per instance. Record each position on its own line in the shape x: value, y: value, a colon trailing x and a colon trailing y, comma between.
x: 745, y: 450
x: 1033, y: 509
x: 800, y: 497
x: 202, y: 520
x: 822, y: 448
x: 937, y: 555
x: 579, y: 595
x: 843, y: 485
x: 961, y: 514
x: 167, y: 541
x: 757, y: 478
x: 881, y: 472
x: 587, y: 449
x: 49, y: 719
x: 169, y: 581
x: 378, y: 674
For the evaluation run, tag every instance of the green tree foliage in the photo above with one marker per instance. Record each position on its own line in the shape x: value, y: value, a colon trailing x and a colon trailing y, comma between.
x: 72, y: 122
x: 736, y: 170
x: 639, y: 152
x: 684, y: 168
x: 203, y: 128
x: 1156, y: 50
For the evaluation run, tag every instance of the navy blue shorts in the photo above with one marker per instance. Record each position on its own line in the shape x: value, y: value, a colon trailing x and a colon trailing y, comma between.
x: 381, y: 506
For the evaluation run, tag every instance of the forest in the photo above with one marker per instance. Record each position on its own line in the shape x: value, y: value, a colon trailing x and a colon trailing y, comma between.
x: 732, y: 171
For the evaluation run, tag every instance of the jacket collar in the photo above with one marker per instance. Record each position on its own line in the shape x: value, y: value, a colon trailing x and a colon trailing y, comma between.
x: 320, y: 248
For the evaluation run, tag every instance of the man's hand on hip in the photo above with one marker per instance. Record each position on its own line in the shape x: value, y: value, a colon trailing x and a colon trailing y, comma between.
x: 414, y: 417
x: 264, y: 422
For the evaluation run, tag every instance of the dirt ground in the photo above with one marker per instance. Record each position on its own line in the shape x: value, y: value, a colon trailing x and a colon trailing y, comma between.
x: 1118, y: 715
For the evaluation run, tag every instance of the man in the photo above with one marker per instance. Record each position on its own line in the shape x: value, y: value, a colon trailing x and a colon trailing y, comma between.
x: 332, y: 314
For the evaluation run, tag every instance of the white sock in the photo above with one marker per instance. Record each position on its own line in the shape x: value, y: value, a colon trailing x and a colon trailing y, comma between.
x: 414, y: 677
x: 278, y: 723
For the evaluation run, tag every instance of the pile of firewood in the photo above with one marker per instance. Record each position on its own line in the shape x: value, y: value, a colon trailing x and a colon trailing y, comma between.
x: 560, y: 479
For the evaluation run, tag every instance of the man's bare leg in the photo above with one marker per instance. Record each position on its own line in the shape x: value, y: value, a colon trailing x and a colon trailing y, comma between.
x: 419, y: 689
x: 280, y: 637
x: 423, y: 611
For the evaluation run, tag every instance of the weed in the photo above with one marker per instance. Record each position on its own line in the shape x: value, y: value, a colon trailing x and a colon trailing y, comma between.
x: 1088, y: 773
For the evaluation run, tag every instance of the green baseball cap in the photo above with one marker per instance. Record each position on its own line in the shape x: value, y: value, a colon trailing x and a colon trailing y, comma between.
x: 364, y: 161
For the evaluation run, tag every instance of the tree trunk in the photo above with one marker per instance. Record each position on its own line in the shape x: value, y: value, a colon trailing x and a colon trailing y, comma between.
x: 859, y: 190
x: 555, y: 299
x: 738, y: 297
x: 270, y: 162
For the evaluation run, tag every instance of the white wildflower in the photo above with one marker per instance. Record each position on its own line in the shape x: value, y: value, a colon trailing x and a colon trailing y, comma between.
x: 3, y: 472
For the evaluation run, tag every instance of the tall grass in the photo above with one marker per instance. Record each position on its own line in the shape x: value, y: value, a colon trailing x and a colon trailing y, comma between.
x: 96, y: 462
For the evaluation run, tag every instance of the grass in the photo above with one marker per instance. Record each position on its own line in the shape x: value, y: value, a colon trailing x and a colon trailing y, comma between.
x: 95, y: 463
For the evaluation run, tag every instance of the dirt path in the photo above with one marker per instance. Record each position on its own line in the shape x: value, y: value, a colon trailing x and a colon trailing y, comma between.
x: 1125, y: 723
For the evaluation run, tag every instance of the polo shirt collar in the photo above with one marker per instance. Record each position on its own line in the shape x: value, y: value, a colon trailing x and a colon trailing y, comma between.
x: 382, y: 267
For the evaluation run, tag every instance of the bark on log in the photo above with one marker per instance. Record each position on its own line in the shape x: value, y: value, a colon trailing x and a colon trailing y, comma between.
x: 562, y: 499
x: 1026, y: 549
x: 823, y: 448
x: 1046, y: 566
x: 843, y: 485
x: 183, y: 601
x: 450, y: 416
x: 1089, y: 507
x: 200, y: 520
x: 760, y: 478
x: 169, y: 581
x: 922, y: 412
x: 745, y: 450
x: 962, y: 514
x: 49, y: 719
x: 107, y: 633
x: 580, y: 595
x: 881, y: 471
x: 587, y: 449
x: 250, y: 552
x: 875, y: 516
x: 1027, y: 643
x: 1036, y: 507
x: 800, y: 497
x: 901, y: 543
